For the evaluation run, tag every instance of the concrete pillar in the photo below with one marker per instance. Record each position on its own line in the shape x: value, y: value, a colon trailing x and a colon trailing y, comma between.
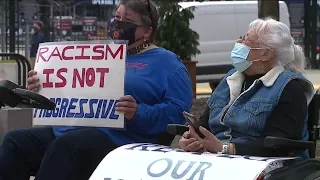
x: 14, y: 118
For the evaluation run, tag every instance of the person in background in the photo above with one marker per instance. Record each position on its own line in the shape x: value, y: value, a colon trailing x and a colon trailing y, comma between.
x: 37, y: 38
x: 265, y: 95
x: 157, y: 91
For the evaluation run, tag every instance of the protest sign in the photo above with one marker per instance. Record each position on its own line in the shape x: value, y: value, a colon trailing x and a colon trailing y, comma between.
x: 84, y: 79
x: 150, y: 161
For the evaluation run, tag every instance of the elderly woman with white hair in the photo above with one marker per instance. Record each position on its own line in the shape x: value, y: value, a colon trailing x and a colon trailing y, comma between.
x: 265, y: 95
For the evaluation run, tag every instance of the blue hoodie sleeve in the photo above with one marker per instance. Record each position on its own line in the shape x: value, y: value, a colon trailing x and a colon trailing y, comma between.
x: 178, y: 98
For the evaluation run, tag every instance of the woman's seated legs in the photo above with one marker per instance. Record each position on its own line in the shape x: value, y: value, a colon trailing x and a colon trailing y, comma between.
x: 75, y: 155
x: 21, y: 152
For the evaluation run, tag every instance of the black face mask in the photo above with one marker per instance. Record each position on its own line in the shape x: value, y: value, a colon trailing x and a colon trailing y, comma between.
x: 122, y: 30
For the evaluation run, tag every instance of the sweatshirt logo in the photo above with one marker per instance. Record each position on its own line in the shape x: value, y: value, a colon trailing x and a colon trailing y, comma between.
x: 133, y: 67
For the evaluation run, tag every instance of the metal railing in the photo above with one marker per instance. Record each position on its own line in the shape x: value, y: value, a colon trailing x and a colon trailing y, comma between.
x: 23, y: 66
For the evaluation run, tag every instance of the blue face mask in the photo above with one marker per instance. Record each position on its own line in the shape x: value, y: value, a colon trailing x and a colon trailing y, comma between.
x: 239, y: 55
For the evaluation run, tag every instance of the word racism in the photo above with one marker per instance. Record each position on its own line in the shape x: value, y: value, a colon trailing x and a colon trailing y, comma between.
x: 84, y: 76
x: 66, y: 108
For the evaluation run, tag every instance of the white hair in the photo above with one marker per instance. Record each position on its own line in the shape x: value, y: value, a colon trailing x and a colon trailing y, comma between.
x: 277, y: 36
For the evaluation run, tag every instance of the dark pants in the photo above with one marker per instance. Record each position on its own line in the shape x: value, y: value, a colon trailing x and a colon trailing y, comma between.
x: 36, y: 151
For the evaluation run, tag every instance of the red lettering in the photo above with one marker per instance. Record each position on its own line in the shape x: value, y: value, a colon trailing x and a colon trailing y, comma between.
x: 47, y: 84
x: 63, y: 79
x: 114, y: 55
x: 82, y: 57
x: 98, y: 49
x: 42, y: 50
x: 103, y: 72
x: 55, y: 52
x: 101, y: 52
x: 90, y: 77
x: 76, y: 76
x: 64, y: 57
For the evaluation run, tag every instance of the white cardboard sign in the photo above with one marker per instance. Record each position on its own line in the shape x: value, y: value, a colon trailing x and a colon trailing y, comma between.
x: 84, y: 79
x: 150, y: 161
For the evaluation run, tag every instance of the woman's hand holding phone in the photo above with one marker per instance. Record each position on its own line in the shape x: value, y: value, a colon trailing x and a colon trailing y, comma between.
x: 189, y: 143
x: 198, y: 138
x: 193, y: 121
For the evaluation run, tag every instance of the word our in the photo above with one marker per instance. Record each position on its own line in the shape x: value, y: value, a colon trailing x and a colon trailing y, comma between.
x: 197, y: 173
x: 81, y: 52
x: 181, y: 169
x: 76, y: 108
x: 85, y: 76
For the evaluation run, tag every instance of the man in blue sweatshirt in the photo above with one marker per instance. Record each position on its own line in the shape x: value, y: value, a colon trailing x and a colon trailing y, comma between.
x: 157, y: 91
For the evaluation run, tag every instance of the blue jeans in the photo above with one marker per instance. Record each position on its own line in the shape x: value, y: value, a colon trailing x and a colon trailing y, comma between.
x: 37, y: 152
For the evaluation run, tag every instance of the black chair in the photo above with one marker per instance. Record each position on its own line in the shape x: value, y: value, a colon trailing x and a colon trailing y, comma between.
x: 313, y: 128
x: 296, y: 170
x: 14, y: 95
x: 302, y: 170
x: 165, y: 139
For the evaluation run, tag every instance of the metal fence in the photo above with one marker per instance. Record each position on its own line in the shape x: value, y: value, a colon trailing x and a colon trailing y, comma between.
x: 64, y: 20
x: 23, y: 66
x: 21, y: 31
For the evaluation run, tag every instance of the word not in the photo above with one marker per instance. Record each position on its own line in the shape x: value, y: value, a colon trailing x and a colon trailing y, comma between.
x: 86, y: 108
x: 165, y: 149
x: 81, y: 52
x: 87, y: 76
x: 177, y: 172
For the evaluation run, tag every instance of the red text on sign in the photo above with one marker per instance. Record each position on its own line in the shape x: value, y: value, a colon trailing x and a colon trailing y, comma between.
x: 88, y: 77
x: 85, y: 77
x: 81, y: 52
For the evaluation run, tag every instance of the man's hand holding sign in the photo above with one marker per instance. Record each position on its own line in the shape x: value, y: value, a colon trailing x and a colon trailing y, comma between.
x: 86, y: 81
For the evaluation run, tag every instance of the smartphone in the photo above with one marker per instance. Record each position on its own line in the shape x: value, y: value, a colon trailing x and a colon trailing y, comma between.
x: 193, y: 121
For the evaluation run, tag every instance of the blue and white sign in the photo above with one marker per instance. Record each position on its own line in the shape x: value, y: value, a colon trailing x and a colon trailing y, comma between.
x: 151, y: 161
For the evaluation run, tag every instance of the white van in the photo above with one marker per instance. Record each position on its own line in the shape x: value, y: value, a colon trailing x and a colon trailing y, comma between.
x: 219, y: 24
